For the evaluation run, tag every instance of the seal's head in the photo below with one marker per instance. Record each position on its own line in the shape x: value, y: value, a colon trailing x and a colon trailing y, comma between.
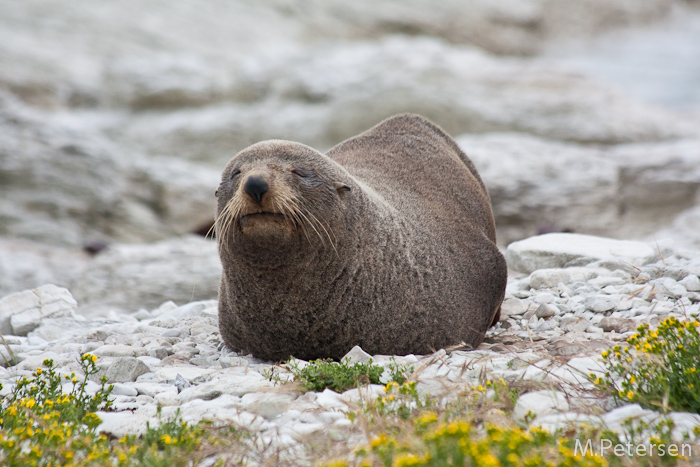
x: 275, y: 195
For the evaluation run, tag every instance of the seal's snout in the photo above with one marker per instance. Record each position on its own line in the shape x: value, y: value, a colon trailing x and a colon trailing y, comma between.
x: 256, y: 187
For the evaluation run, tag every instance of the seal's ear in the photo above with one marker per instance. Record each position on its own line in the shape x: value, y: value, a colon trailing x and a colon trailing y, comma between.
x: 216, y: 193
x: 341, y: 187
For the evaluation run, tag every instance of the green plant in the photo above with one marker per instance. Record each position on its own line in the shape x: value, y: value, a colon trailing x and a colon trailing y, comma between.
x: 40, y: 425
x: 321, y: 374
x: 399, y: 399
x: 657, y: 368
x: 397, y: 372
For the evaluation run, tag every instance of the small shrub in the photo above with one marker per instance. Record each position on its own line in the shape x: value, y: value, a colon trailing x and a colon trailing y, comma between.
x: 658, y: 368
x: 40, y: 425
x: 321, y: 374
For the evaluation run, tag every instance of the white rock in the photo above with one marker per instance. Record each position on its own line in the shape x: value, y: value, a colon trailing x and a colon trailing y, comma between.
x: 691, y: 283
x: 232, y: 384
x: 331, y: 400
x: 21, y: 312
x: 267, y: 405
x: 563, y: 421
x: 357, y: 355
x: 124, y: 390
x: 601, y: 303
x: 559, y: 250
x: 668, y: 286
x: 546, y: 311
x: 615, y: 418
x: 540, y: 403
x: 119, y: 350
x: 548, y: 278
x: 514, y: 307
x: 129, y: 422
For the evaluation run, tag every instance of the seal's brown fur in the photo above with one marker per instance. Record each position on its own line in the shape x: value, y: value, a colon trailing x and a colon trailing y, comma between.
x: 386, y: 242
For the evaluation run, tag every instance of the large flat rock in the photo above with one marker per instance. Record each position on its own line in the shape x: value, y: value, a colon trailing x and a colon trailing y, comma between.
x: 558, y: 250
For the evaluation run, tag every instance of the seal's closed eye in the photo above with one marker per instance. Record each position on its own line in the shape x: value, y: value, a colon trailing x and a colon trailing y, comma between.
x: 303, y: 173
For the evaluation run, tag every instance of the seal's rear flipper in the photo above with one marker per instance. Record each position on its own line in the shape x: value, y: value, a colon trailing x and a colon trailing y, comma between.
x: 497, y: 317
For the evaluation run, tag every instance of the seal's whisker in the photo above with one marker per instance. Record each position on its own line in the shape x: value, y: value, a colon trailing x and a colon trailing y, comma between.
x: 226, y: 219
x: 292, y: 211
x: 320, y: 224
x: 311, y: 224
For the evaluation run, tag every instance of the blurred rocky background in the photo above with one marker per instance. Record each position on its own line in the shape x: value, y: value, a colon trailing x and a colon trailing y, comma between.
x: 117, y: 117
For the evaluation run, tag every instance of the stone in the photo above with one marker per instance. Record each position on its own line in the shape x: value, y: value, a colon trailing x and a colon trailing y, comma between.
x: 557, y: 250
x: 124, y: 390
x: 668, y: 286
x: 232, y: 384
x: 618, y: 324
x: 546, y: 311
x: 125, y: 369
x: 134, y: 422
x: 601, y: 303
x: 22, y: 312
x: 53, y: 329
x: 119, y: 350
x: 540, y: 403
x: 615, y: 418
x: 572, y: 323
x: 357, y: 355
x: 566, y: 347
x: 514, y: 307
x: 267, y: 405
x: 548, y: 278
x: 691, y: 283
x: 148, y: 272
x: 181, y: 383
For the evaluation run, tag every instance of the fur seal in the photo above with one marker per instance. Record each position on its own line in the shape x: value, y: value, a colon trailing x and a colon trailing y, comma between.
x: 387, y: 242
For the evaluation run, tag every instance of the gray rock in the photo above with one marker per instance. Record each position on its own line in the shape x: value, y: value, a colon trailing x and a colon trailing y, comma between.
x: 125, y: 369
x: 160, y: 352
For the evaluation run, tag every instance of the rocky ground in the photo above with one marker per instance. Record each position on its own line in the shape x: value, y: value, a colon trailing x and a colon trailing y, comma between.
x: 572, y: 297
x: 114, y: 127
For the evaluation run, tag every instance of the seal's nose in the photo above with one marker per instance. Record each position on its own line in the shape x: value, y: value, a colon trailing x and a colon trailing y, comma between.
x: 256, y: 187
